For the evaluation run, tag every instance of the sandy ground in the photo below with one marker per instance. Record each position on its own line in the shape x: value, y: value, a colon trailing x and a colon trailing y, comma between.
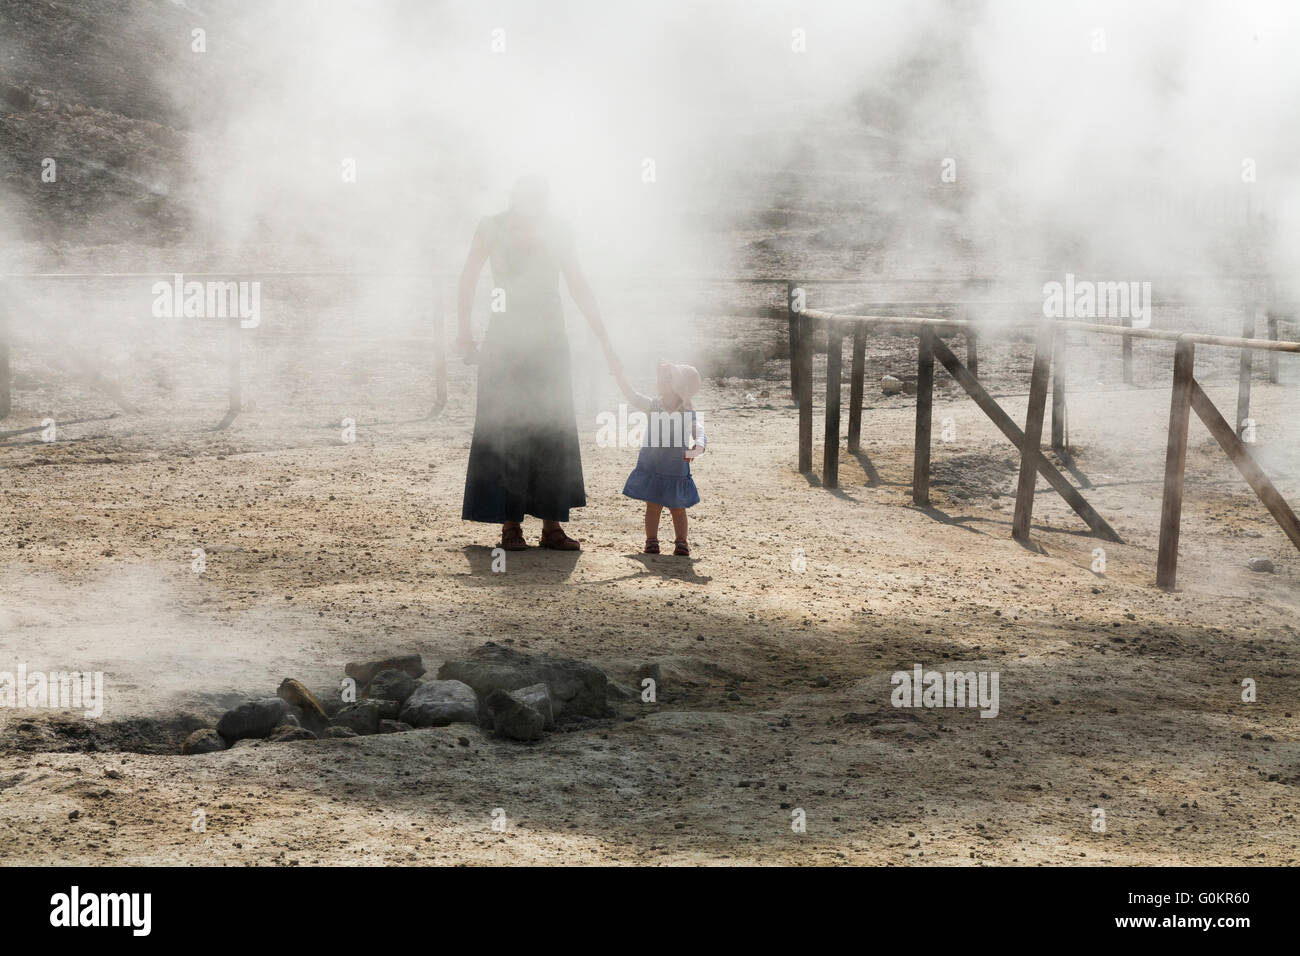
x: 776, y: 695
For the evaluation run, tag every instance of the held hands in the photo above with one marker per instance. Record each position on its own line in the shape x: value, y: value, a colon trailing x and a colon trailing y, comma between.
x: 699, y: 444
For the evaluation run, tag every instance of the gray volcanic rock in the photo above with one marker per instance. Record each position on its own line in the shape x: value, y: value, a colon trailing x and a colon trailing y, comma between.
x: 203, y: 741
x: 514, y: 719
x: 538, y: 697
x: 575, y: 687
x: 392, y: 684
x: 257, y: 718
x: 363, y: 717
x: 437, y: 703
x: 306, y: 707
x: 363, y: 672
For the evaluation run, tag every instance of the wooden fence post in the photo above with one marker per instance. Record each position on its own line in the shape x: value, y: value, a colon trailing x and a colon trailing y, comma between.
x: 1271, y: 317
x: 971, y: 345
x: 1254, y: 475
x: 1126, y: 347
x: 1059, y: 413
x: 1272, y: 356
x: 924, y: 417
x: 1010, y: 429
x: 834, y: 367
x: 439, y: 344
x: 857, y: 375
x: 792, y: 319
x: 1171, y: 508
x: 233, y: 363
x: 1245, y: 367
x: 804, y: 341
x: 6, y: 375
x: 1030, y: 451
x: 969, y: 289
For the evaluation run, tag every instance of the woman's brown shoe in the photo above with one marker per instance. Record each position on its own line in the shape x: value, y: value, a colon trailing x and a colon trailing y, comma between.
x: 651, y: 545
x: 557, y: 540
x: 512, y: 539
x: 682, y: 550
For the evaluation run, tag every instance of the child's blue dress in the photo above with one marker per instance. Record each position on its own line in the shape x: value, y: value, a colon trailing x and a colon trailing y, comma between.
x: 662, y: 476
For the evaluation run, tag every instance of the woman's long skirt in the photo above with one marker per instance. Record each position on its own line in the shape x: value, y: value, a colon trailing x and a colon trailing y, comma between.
x: 524, y: 458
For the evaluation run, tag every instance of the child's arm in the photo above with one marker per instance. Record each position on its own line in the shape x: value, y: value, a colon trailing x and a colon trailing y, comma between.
x: 701, y: 441
x: 634, y: 398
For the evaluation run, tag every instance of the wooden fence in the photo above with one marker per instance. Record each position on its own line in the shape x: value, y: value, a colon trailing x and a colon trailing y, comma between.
x: 1049, y: 345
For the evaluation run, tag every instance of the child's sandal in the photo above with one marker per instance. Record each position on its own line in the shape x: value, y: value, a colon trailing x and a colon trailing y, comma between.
x: 682, y: 550
x: 651, y: 545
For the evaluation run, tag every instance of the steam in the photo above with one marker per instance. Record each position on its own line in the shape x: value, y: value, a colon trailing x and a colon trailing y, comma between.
x: 1112, y: 140
x: 1082, y: 133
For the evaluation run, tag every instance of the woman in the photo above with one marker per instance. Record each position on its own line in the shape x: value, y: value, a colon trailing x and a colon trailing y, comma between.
x: 524, y: 459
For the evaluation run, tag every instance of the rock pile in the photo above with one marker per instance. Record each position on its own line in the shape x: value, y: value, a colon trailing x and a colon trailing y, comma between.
x: 518, y: 696
x: 576, y: 688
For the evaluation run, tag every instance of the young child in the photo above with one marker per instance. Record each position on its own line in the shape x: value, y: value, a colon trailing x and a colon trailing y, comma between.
x: 662, y: 477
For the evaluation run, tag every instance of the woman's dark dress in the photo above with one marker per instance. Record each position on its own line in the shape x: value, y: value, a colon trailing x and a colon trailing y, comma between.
x: 524, y: 459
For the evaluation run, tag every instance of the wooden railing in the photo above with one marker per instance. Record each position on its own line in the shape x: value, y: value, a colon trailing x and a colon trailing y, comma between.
x: 1187, y: 396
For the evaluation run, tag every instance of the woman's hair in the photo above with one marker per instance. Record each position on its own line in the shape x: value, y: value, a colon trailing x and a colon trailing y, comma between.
x: 529, y: 194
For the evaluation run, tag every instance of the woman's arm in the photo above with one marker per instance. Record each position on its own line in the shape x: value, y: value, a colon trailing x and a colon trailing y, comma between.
x: 634, y: 398
x: 576, y: 281
x: 478, y: 254
x: 580, y: 289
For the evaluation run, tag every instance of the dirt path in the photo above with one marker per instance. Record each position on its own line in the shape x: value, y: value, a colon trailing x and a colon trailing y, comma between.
x: 776, y: 694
